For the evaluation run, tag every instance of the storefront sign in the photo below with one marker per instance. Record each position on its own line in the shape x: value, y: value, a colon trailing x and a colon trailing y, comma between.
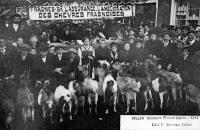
x: 79, y: 11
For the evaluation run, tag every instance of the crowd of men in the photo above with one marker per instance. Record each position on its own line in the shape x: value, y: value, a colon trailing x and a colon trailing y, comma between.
x: 56, y: 50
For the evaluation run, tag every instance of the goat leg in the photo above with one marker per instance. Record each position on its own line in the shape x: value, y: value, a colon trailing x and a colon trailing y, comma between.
x: 151, y: 99
x: 43, y: 111
x: 70, y: 110
x: 24, y: 114
x: 89, y: 102
x: 127, y: 103
x: 146, y: 101
x: 96, y: 101
x: 33, y: 114
x: 180, y: 93
x: 135, y: 99
x: 161, y: 98
x: 198, y: 102
x: 76, y: 104
x: 115, y: 102
x: 84, y: 105
x: 174, y: 93
x: 123, y: 96
x: 61, y: 118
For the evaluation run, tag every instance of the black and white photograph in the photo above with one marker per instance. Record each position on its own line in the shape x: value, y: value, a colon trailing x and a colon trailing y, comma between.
x: 99, y: 64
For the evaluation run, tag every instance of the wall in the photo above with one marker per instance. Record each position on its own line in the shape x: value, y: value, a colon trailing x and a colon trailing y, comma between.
x: 164, y: 9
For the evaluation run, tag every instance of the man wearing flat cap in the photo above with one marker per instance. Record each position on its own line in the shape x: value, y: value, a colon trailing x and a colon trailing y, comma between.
x: 192, y: 43
x: 61, y: 64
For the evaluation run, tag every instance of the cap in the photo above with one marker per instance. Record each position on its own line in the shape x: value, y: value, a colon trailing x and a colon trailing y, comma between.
x: 176, y: 28
x: 139, y: 40
x: 192, y: 31
x: 113, y: 44
x: 16, y: 15
x: 154, y: 32
x: 43, y: 47
x: 58, y: 45
x: 185, y: 27
x: 167, y: 33
x: 72, y: 50
x: 25, y: 47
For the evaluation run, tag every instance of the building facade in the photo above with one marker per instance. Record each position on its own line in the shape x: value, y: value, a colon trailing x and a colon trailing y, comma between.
x: 185, y: 12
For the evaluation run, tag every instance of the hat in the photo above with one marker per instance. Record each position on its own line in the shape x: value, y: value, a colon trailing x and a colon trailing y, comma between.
x: 72, y: 50
x: 25, y: 47
x: 58, y: 45
x: 167, y: 33
x: 178, y: 28
x: 43, y: 47
x: 192, y: 31
x: 185, y: 27
x: 139, y: 40
x: 154, y: 32
x: 16, y: 15
x: 102, y: 40
x: 113, y: 44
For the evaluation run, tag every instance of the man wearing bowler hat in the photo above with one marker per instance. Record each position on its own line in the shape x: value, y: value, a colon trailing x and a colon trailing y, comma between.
x: 166, y: 52
x: 42, y: 67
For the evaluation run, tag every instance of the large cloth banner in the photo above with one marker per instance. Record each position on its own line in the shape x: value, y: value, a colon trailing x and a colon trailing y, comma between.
x: 79, y: 11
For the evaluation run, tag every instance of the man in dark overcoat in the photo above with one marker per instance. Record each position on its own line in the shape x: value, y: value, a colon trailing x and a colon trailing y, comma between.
x: 61, y: 65
x: 183, y: 65
x: 42, y: 66
x: 14, y: 28
x: 74, y: 63
x: 7, y: 60
x: 7, y: 69
x: 192, y: 43
x: 166, y: 51
x: 23, y: 60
